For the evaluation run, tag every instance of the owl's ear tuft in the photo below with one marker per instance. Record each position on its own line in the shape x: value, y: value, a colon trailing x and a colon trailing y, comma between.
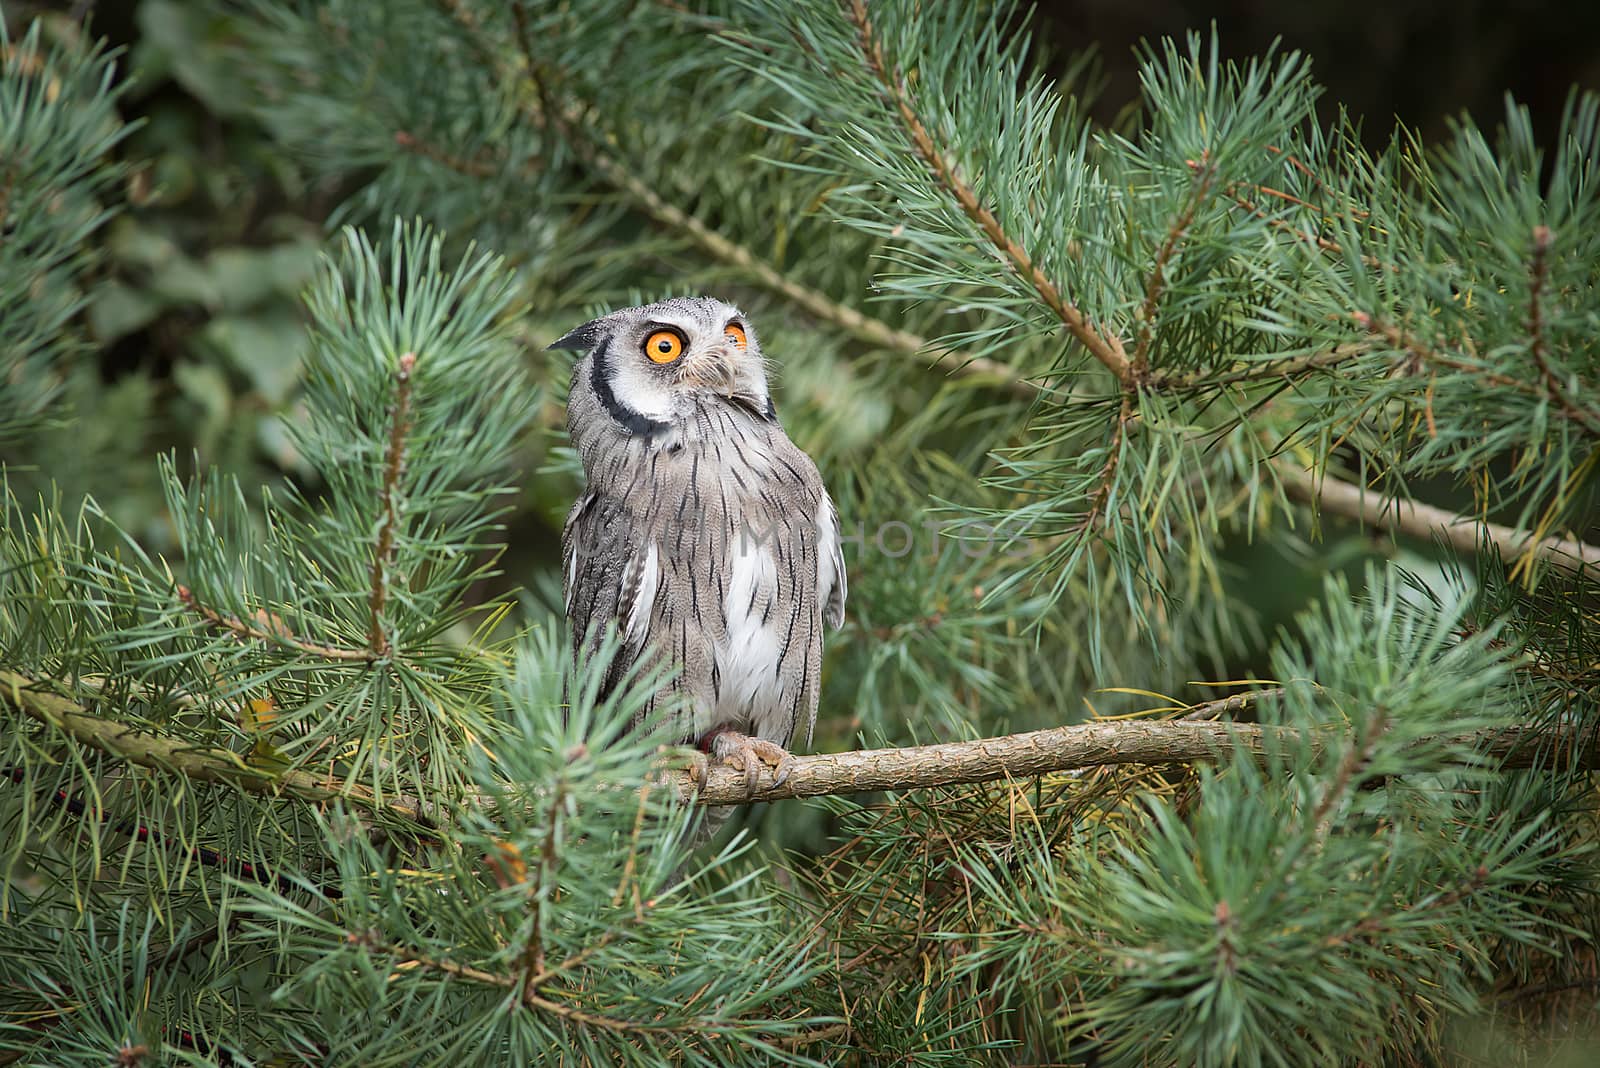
x: 583, y: 338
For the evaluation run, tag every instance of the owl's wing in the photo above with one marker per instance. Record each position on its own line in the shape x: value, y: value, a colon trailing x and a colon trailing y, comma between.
x: 611, y: 575
x: 833, y: 583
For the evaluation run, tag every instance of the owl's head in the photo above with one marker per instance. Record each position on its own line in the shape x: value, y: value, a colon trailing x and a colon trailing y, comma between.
x: 649, y: 367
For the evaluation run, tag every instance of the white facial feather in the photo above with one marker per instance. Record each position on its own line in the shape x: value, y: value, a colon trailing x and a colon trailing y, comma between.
x: 634, y: 386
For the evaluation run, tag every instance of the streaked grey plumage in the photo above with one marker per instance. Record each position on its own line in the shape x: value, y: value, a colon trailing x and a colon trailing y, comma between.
x: 703, y: 533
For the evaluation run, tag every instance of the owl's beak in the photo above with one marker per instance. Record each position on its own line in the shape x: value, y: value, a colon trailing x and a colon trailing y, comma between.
x: 712, y: 370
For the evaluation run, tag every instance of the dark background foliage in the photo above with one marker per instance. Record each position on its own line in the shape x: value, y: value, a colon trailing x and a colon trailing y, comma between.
x: 1421, y: 61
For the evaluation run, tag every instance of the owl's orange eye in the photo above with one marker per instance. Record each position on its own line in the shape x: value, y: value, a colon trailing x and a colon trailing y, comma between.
x: 664, y: 346
x: 735, y: 333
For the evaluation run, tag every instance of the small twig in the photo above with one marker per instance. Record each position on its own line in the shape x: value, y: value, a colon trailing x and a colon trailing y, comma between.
x: 394, y: 463
x: 1377, y: 924
x: 275, y: 630
x: 477, y: 168
x: 1309, y: 238
x: 828, y: 1033
x: 1538, y: 272
x: 1233, y: 703
x: 1419, y: 353
x: 544, y: 882
x: 1108, y: 470
x: 549, y: 972
x: 141, y: 832
x: 1294, y: 161
x: 1280, y: 224
x: 1546, y: 989
x: 1357, y: 755
x: 1105, y: 347
x: 626, y: 882
x: 408, y: 960
x: 1286, y: 370
x: 1426, y: 521
x: 1205, y: 173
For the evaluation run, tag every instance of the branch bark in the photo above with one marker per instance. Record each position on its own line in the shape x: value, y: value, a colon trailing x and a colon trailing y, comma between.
x: 1012, y: 756
x: 1425, y: 521
x: 394, y: 465
x: 1088, y: 745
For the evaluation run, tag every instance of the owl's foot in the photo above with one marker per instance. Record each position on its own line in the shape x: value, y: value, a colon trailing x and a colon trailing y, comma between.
x: 747, y: 754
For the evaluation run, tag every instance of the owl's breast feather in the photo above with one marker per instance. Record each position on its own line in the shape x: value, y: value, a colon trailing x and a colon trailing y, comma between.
x: 751, y: 646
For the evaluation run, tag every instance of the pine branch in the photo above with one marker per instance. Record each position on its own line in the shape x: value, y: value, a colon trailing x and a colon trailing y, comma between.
x: 1013, y: 756
x: 393, y: 467
x: 204, y: 763
x: 1538, y: 270
x: 1091, y: 745
x: 1205, y: 173
x: 274, y: 631
x: 1108, y: 349
x: 1425, y: 521
x: 1105, y: 347
x: 144, y: 833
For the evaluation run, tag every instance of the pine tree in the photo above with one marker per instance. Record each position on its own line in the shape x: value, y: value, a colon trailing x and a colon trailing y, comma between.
x: 315, y: 780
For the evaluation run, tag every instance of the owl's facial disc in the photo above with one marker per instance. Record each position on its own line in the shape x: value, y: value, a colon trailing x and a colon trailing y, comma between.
x: 653, y: 365
x: 677, y: 359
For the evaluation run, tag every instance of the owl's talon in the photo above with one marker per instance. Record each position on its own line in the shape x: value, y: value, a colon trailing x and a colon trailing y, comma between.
x: 700, y: 765
x: 747, y: 754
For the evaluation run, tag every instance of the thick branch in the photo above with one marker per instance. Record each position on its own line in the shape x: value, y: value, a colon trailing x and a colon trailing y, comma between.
x: 1013, y: 756
x: 1089, y: 745
x: 1425, y: 521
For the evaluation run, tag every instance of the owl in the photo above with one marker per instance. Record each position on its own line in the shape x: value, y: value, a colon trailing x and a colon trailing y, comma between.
x: 703, y: 533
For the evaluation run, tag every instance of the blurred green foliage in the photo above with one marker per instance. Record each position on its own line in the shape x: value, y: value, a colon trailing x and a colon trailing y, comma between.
x: 193, y: 315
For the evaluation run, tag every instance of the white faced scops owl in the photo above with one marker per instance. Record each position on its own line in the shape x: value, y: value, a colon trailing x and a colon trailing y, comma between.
x: 704, y: 533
